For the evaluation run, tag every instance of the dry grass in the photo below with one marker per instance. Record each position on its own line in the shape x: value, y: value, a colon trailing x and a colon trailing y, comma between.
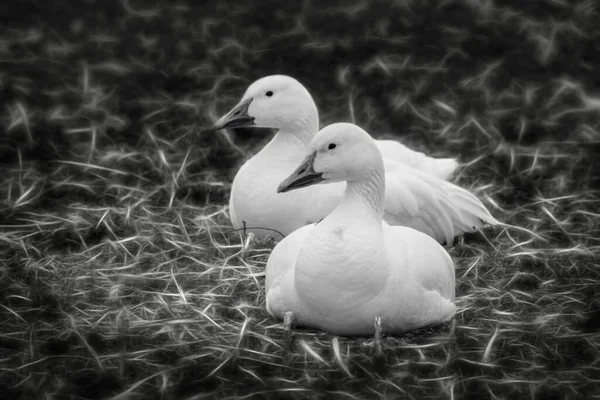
x: 121, y: 277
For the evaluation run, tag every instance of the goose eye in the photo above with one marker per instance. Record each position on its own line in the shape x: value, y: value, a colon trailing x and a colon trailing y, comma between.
x: 331, y: 146
x: 269, y: 93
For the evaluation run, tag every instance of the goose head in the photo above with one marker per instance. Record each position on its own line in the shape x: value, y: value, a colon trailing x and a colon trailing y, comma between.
x: 338, y: 152
x: 276, y: 101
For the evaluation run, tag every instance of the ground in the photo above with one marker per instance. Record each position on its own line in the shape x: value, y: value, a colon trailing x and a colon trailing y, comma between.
x: 121, y: 276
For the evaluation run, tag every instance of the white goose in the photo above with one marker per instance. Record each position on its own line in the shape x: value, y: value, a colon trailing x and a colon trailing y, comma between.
x: 351, y: 269
x: 417, y: 195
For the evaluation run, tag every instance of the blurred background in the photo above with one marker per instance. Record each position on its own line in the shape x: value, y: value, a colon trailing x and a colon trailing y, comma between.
x: 110, y: 175
x: 450, y: 76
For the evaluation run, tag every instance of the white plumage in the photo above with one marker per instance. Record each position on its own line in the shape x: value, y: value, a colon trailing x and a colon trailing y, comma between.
x: 417, y: 196
x: 350, y: 268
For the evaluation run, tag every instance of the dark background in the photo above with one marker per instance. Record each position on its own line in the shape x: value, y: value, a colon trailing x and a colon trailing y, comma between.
x: 112, y: 182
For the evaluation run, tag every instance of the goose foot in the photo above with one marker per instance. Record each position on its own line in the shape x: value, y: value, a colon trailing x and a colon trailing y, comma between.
x: 379, y: 359
x: 288, y: 318
x: 377, y: 340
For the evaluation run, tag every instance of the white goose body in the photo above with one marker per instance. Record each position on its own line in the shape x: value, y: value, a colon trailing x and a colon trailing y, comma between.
x: 441, y: 168
x: 342, y: 273
x: 421, y: 199
x: 255, y: 204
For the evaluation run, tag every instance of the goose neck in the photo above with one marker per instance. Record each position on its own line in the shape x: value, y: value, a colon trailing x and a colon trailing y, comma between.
x: 368, y: 192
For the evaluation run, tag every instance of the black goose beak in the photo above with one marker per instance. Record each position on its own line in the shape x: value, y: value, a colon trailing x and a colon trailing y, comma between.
x: 236, y: 118
x: 304, y: 175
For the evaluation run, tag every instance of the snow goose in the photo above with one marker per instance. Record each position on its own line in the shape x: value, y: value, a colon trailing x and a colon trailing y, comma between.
x: 420, y: 198
x: 351, y: 269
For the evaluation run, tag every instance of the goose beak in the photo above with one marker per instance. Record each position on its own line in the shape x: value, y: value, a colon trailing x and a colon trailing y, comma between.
x: 238, y: 117
x: 304, y: 175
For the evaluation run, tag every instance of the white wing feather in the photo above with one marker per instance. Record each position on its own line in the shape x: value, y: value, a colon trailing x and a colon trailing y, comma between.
x: 441, y: 168
x: 433, y: 206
